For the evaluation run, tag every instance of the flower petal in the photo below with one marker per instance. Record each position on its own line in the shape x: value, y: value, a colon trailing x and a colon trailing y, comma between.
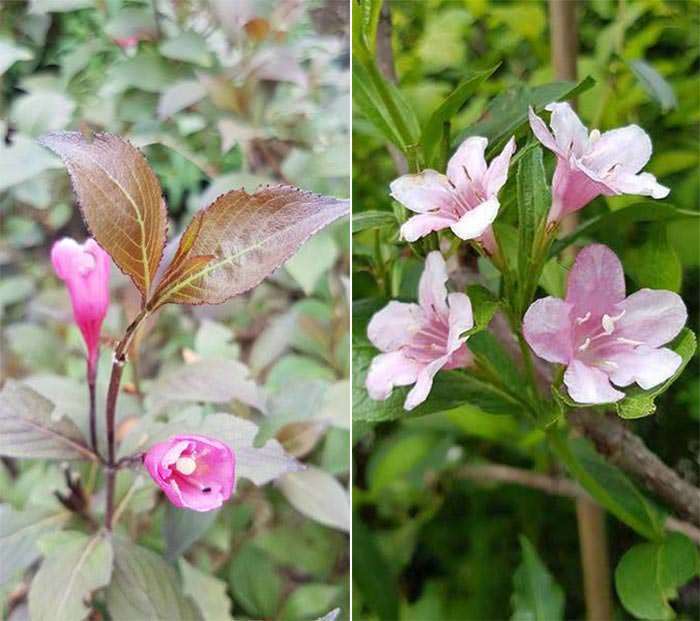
x: 541, y: 131
x: 389, y: 370
x: 460, y: 319
x: 573, y: 187
x: 394, y: 325
x: 643, y: 184
x: 652, y: 317
x: 645, y: 365
x: 548, y: 329
x: 468, y: 163
x: 589, y: 385
x: 475, y: 221
x: 424, y: 192
x: 424, y: 383
x: 497, y: 173
x: 571, y: 135
x: 596, y: 282
x: 423, y: 224
x: 432, y: 292
x: 626, y: 147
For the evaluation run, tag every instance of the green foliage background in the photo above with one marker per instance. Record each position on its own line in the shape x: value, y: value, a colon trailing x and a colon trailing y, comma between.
x: 449, y: 546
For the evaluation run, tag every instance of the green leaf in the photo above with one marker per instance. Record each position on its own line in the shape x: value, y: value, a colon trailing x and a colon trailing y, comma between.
x: 432, y: 132
x: 182, y: 528
x: 610, y: 487
x: 639, y: 402
x: 655, y: 264
x: 536, y: 595
x: 74, y: 566
x: 649, y: 575
x: 144, y: 586
x: 316, y: 257
x: 644, y: 211
x: 19, y: 532
x: 207, y: 592
x: 365, y: 20
x: 255, y: 582
x: 654, y: 84
x: 484, y: 307
x: 491, y: 354
x: 534, y: 200
x: 189, y: 47
x: 364, y: 220
x: 371, y: 573
x: 310, y: 600
x: 27, y: 429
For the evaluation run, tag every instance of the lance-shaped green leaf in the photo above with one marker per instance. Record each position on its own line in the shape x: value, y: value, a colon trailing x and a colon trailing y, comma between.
x: 484, y: 307
x: 536, y: 596
x: 650, y: 574
x: 19, y: 532
x: 144, y: 586
x: 639, y: 402
x: 207, y: 592
x: 120, y: 199
x: 239, y: 240
x: 27, y: 429
x: 365, y: 220
x: 74, y: 566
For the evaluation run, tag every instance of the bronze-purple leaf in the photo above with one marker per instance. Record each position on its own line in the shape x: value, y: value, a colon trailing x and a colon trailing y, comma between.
x: 239, y: 240
x: 120, y: 200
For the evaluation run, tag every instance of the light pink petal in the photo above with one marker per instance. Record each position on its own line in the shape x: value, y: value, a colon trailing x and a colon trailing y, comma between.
x: 573, y: 188
x: 423, y: 224
x: 460, y: 319
x: 394, y: 325
x: 589, y: 385
x: 541, y: 131
x: 424, y: 383
x: 432, y: 292
x: 596, y: 282
x: 643, y: 184
x: 389, y: 370
x: 424, y: 192
x: 626, y: 147
x: 497, y: 173
x: 468, y: 163
x: 571, y: 135
x: 644, y: 365
x: 652, y: 317
x: 548, y: 329
x: 460, y: 358
x: 475, y: 221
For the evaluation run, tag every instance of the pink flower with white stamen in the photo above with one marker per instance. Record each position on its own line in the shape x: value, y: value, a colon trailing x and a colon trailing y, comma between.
x: 417, y: 340
x: 465, y: 200
x: 195, y: 472
x: 601, y: 335
x: 85, y: 270
x: 591, y: 164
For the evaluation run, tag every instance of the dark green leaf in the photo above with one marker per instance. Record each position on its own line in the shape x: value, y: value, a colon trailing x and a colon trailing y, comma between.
x: 655, y: 263
x: 491, y: 354
x: 365, y: 220
x: 654, y: 84
x: 182, y: 528
x: 484, y: 307
x: 208, y: 592
x: 255, y: 582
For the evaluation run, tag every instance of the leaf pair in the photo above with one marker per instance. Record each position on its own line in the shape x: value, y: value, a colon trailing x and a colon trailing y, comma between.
x: 228, y: 248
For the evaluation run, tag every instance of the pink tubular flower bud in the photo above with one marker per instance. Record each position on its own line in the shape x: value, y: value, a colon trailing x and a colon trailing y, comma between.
x: 195, y: 472
x: 85, y: 270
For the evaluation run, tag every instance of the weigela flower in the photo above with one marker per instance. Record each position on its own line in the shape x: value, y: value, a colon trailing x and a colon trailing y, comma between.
x: 195, y: 472
x: 85, y: 270
x: 601, y: 335
x: 591, y: 164
x: 464, y: 200
x: 417, y: 340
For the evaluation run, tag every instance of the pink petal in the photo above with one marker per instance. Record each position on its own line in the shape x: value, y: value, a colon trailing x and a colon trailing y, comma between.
x: 627, y: 147
x: 651, y: 317
x: 644, y: 365
x: 389, y: 370
x: 596, y: 282
x: 432, y: 292
x: 394, y: 325
x: 424, y: 383
x: 573, y: 188
x: 468, y: 163
x: 571, y: 135
x: 475, y: 221
x: 423, y: 224
x: 589, y: 385
x: 424, y: 192
x: 460, y: 358
x: 541, y: 131
x: 460, y: 319
x: 548, y: 329
x: 497, y: 173
x: 643, y: 184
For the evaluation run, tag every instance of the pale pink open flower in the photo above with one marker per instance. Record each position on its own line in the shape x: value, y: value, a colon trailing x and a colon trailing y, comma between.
x: 601, y: 335
x: 591, y: 164
x: 464, y: 200
x: 195, y: 472
x: 417, y: 340
x: 85, y: 270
